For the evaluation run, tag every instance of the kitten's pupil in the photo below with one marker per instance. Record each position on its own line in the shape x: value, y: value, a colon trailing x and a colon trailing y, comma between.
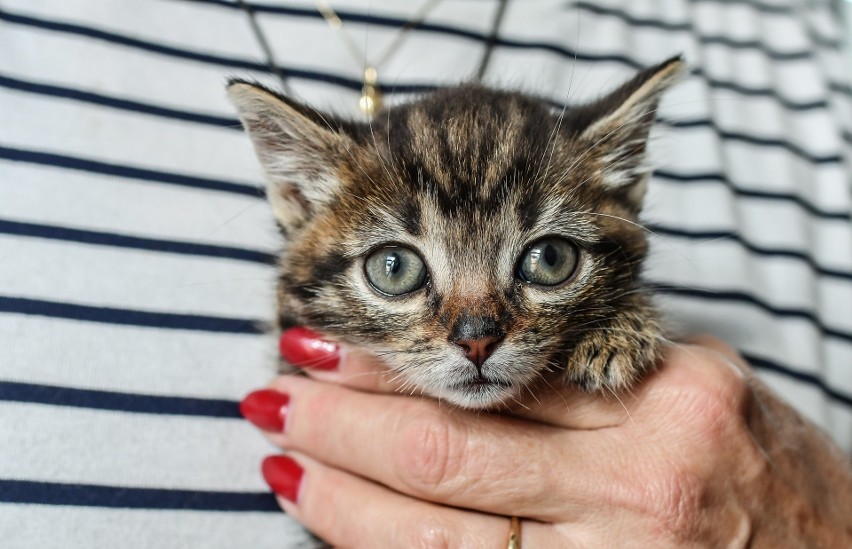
x: 550, y: 255
x: 392, y: 264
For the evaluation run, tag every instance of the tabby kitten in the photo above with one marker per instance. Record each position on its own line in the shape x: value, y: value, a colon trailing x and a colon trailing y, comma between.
x: 477, y: 240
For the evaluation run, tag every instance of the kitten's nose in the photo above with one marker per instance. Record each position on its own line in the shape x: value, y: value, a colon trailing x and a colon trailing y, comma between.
x: 478, y: 336
x: 478, y: 350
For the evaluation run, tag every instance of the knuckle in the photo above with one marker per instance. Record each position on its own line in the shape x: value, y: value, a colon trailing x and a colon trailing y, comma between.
x: 722, y: 398
x: 709, y: 396
x: 428, y: 452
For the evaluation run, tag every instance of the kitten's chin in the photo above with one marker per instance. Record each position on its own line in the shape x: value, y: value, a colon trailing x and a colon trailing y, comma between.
x: 475, y: 396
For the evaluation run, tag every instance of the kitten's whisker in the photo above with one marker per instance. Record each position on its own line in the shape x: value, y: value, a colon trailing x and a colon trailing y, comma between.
x: 559, y: 120
x: 552, y: 388
x: 622, y: 404
x: 561, y: 117
x: 574, y: 64
x: 234, y: 216
x: 519, y: 402
x: 551, y: 144
x: 378, y: 152
x: 638, y: 225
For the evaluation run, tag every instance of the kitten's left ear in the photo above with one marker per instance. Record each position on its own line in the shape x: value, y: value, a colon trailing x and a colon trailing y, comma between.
x: 619, y: 124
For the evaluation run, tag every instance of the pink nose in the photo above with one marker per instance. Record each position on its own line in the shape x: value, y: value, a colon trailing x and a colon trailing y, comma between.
x: 478, y: 350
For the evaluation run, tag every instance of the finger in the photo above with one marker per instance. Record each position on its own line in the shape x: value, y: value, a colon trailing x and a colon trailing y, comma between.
x: 416, y: 446
x: 347, y: 511
x: 560, y: 403
x: 334, y: 363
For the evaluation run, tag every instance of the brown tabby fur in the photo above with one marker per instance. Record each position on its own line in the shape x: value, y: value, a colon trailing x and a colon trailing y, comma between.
x: 468, y: 177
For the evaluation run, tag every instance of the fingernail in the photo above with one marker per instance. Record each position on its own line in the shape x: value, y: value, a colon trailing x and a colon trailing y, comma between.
x: 266, y: 409
x: 283, y: 475
x: 303, y: 348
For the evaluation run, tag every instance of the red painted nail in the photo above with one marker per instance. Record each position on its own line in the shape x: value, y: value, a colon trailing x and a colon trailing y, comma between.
x: 283, y: 475
x: 303, y: 348
x: 266, y: 409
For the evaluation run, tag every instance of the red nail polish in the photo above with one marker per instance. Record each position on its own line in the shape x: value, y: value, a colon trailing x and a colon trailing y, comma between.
x: 266, y: 409
x: 303, y: 348
x: 283, y: 475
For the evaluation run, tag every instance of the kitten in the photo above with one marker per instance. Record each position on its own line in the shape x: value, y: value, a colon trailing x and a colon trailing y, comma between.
x: 479, y: 241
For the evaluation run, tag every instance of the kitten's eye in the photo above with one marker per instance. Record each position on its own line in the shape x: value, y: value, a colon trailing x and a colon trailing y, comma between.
x: 548, y: 262
x: 395, y: 271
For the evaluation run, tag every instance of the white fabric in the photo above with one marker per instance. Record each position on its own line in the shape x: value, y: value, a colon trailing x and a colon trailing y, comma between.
x: 750, y: 213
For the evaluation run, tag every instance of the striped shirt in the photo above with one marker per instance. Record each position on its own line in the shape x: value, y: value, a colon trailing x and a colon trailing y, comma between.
x: 136, y: 247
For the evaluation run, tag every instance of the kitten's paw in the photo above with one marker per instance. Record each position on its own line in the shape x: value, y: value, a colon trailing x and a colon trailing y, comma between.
x: 615, y: 357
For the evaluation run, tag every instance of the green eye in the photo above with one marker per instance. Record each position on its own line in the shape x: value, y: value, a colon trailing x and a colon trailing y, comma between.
x: 548, y: 262
x: 395, y: 271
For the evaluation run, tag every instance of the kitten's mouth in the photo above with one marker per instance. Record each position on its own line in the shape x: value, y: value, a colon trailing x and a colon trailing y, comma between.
x: 481, y: 383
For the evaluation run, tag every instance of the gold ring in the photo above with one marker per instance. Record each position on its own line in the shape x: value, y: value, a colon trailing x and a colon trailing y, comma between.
x: 514, y: 533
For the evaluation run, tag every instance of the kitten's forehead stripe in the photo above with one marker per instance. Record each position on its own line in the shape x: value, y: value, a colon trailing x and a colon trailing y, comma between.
x: 411, y: 213
x: 462, y: 150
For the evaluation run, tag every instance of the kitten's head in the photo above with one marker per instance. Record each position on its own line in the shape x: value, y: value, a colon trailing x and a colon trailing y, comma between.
x: 477, y: 240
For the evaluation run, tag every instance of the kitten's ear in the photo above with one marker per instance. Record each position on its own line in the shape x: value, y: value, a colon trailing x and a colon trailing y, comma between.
x: 619, y: 124
x: 297, y: 149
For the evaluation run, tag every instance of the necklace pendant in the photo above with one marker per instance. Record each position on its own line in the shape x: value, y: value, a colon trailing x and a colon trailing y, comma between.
x: 371, y: 98
x: 370, y: 101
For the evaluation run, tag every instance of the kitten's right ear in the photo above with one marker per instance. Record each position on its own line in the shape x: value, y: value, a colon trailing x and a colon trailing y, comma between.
x: 616, y: 128
x: 298, y: 152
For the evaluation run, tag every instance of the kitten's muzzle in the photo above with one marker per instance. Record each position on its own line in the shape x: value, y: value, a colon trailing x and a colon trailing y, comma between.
x: 478, y: 337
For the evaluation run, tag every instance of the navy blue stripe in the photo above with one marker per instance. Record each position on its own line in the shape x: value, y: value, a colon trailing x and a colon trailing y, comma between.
x: 116, y: 401
x: 727, y: 134
x: 743, y: 297
x: 233, y: 123
x: 117, y: 103
x: 753, y: 248
x: 116, y: 38
x: 766, y: 8
x: 129, y: 317
x: 729, y: 42
x: 748, y: 193
x: 792, y: 148
x: 99, y: 238
x: 122, y: 497
x: 131, y: 172
x: 759, y: 6
x: 397, y: 88
x: 775, y: 9
x: 760, y: 363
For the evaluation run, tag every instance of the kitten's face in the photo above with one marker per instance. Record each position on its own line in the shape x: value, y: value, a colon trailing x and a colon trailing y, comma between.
x: 477, y: 241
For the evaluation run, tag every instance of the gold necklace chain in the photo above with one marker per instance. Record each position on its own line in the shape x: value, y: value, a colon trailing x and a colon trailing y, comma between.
x: 371, y: 97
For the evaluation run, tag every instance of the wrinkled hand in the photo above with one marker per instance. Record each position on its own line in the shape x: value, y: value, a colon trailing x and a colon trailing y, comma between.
x: 700, y: 454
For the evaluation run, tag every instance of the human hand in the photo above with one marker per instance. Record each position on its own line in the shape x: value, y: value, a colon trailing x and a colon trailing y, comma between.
x: 700, y: 454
